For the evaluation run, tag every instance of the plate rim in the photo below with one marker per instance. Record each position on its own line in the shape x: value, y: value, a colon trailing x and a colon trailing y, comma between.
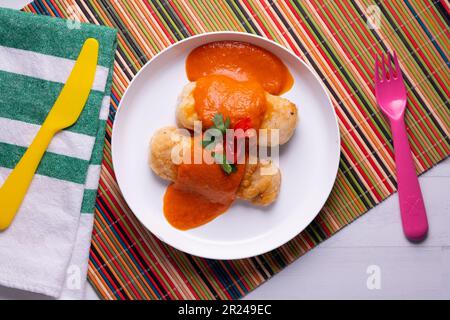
x: 276, y: 244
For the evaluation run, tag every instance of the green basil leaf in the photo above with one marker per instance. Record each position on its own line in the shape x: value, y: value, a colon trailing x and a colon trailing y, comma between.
x: 218, y: 121
x: 227, y: 168
x: 227, y: 123
x: 220, y: 158
x: 205, y: 143
x: 209, y: 144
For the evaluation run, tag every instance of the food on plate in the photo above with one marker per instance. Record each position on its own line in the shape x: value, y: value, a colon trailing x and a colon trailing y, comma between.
x: 281, y: 115
x: 199, y: 194
x: 240, y: 61
x: 232, y: 85
x: 260, y: 189
x: 161, y: 146
x: 277, y: 112
x: 234, y: 100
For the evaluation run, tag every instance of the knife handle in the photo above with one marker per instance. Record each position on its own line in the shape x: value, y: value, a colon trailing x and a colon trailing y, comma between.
x: 16, y: 185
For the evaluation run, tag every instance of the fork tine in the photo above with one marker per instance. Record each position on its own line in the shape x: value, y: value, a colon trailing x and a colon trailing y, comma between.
x: 398, y: 71
x: 377, y: 70
x: 389, y: 61
x: 383, y: 67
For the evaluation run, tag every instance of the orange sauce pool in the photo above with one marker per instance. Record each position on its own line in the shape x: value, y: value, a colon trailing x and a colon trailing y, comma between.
x: 233, y: 99
x: 232, y: 79
x: 240, y: 61
x: 201, y: 193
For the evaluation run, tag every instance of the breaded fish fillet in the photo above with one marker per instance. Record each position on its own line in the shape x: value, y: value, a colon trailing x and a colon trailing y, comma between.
x: 258, y: 186
x: 160, y: 157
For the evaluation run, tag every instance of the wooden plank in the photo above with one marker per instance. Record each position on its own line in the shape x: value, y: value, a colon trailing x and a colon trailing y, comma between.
x: 341, y: 273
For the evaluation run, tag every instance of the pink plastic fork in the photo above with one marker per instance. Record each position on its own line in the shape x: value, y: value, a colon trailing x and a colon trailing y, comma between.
x: 391, y: 97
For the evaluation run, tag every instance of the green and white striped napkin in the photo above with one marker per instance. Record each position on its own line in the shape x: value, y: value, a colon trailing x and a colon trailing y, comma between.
x: 46, y: 248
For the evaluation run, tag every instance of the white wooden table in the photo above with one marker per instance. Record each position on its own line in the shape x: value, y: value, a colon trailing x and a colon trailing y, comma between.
x: 369, y: 259
x: 341, y: 266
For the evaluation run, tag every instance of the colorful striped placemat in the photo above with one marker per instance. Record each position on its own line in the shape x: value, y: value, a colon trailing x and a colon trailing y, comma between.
x: 339, y: 39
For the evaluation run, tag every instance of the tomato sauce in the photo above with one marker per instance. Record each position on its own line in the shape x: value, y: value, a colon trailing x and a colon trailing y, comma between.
x: 232, y: 79
x: 233, y: 99
x: 242, y: 62
x: 200, y: 193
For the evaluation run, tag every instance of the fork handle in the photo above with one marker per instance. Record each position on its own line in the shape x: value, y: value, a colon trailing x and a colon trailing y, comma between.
x: 16, y: 184
x: 412, y: 208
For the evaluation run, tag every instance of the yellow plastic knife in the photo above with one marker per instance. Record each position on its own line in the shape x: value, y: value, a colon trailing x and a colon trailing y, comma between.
x: 64, y: 113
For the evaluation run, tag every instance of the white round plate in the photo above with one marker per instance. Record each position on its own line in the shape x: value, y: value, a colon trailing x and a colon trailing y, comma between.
x: 308, y: 162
